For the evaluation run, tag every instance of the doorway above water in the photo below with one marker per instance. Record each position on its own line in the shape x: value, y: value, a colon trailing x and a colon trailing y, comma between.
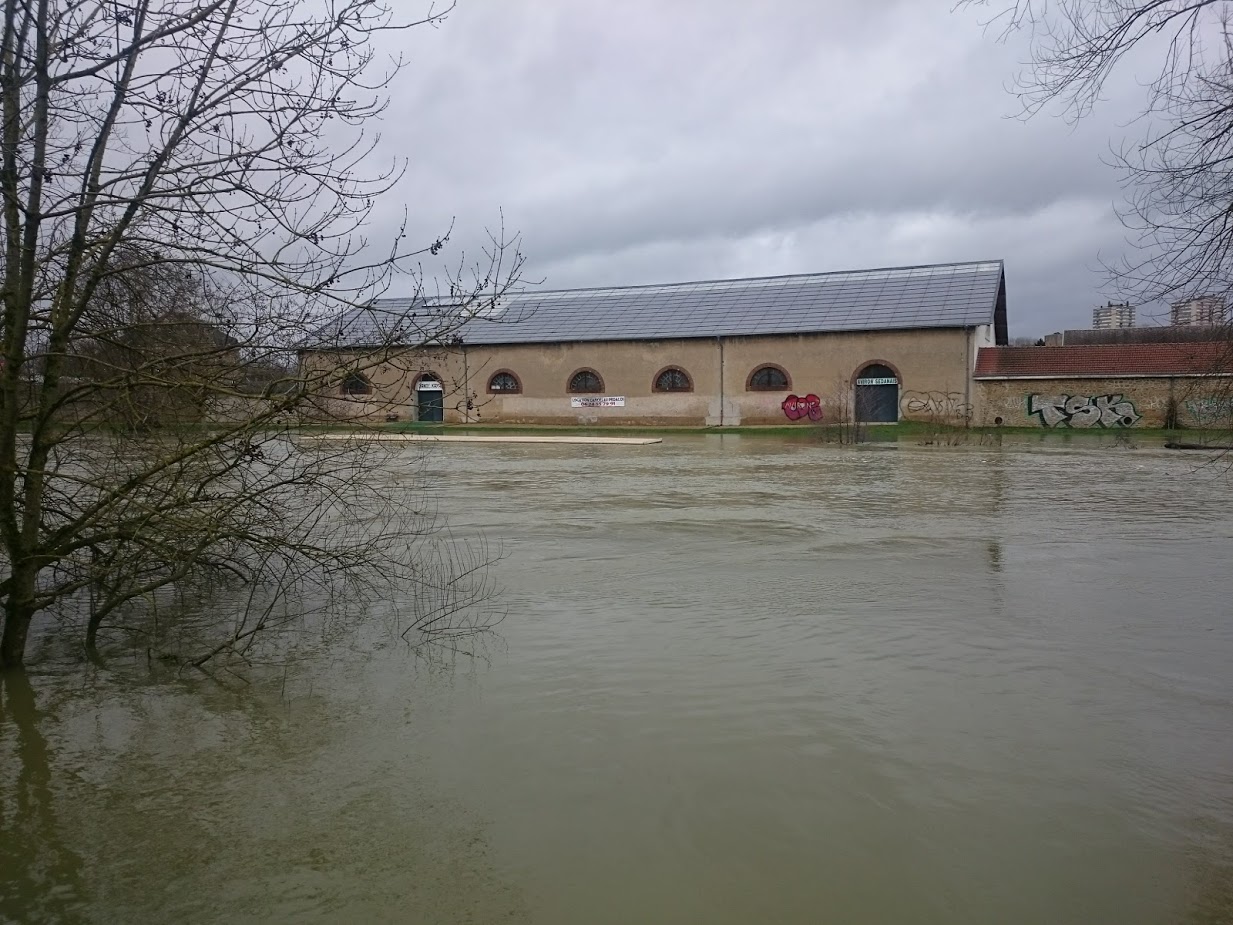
x: 877, y: 394
x: 429, y: 399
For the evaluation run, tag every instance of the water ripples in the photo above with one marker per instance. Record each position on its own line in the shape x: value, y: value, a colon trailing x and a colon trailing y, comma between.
x: 961, y: 661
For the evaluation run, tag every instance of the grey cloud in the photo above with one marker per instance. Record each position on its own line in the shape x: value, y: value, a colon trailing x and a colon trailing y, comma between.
x: 648, y: 142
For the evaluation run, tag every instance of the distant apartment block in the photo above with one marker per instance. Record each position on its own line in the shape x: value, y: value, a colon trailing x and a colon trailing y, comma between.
x: 1113, y: 315
x: 1205, y: 309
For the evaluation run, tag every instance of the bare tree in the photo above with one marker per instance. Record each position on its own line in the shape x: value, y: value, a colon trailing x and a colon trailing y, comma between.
x: 186, y: 194
x: 1177, y: 171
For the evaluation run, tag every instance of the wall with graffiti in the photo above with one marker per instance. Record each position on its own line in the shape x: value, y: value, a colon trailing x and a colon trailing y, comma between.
x: 945, y: 407
x: 808, y: 407
x: 1113, y: 410
x: 1209, y: 411
x: 1105, y: 403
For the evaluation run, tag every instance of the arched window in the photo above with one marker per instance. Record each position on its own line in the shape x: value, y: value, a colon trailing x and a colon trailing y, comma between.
x: 504, y: 383
x: 585, y: 381
x: 356, y: 384
x: 673, y: 379
x: 769, y: 379
x: 424, y: 378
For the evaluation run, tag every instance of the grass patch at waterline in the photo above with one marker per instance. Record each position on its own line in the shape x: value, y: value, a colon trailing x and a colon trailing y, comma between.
x: 903, y: 430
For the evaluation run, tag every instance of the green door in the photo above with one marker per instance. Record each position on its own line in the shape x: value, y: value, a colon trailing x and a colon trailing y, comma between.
x: 431, y: 404
x: 877, y: 395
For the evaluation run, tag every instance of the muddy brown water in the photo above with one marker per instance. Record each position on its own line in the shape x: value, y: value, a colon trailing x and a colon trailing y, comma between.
x: 739, y: 680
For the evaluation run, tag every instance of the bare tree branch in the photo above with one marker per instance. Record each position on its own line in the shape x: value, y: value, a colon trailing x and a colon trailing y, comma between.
x: 186, y: 190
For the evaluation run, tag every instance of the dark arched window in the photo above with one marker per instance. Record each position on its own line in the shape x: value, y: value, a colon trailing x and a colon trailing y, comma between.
x: 585, y: 381
x: 356, y: 384
x: 504, y: 382
x: 768, y: 379
x: 673, y: 379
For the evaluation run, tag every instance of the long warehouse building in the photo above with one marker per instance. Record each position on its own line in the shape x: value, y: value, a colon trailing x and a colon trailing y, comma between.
x: 866, y: 345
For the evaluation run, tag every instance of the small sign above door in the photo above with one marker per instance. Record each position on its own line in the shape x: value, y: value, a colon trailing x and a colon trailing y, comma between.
x: 878, y: 380
x: 429, y: 386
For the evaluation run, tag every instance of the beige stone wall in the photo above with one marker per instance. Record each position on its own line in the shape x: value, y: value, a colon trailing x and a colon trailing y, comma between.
x: 392, y: 376
x: 627, y: 368
x: 932, y: 366
x: 1203, y: 401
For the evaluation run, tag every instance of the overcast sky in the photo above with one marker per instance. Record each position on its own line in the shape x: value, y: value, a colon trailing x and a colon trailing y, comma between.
x: 652, y: 141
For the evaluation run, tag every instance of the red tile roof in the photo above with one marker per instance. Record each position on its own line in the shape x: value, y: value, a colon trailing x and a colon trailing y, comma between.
x: 1185, y: 359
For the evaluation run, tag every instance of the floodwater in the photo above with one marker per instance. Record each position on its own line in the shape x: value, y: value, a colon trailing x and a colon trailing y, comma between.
x: 740, y: 680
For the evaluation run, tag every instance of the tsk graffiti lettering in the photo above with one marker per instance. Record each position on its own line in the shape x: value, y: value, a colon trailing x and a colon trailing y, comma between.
x: 795, y: 408
x: 938, y: 405
x: 1084, y: 410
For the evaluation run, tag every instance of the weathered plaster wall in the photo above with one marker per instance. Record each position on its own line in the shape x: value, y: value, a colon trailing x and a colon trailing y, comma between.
x: 627, y: 368
x: 1199, y: 401
x: 932, y: 366
x: 392, y: 376
x: 928, y: 362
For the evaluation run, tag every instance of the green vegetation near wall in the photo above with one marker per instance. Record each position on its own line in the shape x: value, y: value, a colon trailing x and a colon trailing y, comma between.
x: 904, y: 430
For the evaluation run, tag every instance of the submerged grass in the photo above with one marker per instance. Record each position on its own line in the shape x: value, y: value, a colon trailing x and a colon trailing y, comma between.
x: 872, y: 433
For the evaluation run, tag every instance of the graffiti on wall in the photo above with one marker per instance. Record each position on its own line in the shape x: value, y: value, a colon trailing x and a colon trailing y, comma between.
x: 1207, y: 412
x: 796, y: 407
x: 1084, y: 410
x: 948, y: 406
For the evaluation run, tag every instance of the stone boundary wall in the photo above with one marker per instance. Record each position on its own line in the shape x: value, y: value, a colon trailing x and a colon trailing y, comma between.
x: 1105, y: 402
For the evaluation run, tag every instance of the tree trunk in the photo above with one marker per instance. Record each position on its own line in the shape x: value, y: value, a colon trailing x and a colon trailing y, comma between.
x: 18, y: 614
x: 13, y: 641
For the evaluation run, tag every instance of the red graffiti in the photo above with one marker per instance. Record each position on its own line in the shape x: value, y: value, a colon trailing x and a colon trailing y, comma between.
x: 795, y: 408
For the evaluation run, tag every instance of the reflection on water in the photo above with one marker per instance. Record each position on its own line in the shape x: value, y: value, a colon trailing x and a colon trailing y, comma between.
x: 740, y: 680
x: 39, y: 876
x: 209, y: 804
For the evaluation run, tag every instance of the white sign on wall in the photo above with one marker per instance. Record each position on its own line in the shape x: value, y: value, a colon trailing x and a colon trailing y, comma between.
x: 878, y: 380
x: 429, y: 386
x: 607, y: 401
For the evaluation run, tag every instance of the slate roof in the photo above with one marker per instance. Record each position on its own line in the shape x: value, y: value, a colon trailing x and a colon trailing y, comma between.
x: 941, y: 296
x: 1105, y: 360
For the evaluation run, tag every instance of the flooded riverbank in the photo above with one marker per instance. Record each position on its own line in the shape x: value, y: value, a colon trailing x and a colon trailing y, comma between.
x: 740, y: 679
